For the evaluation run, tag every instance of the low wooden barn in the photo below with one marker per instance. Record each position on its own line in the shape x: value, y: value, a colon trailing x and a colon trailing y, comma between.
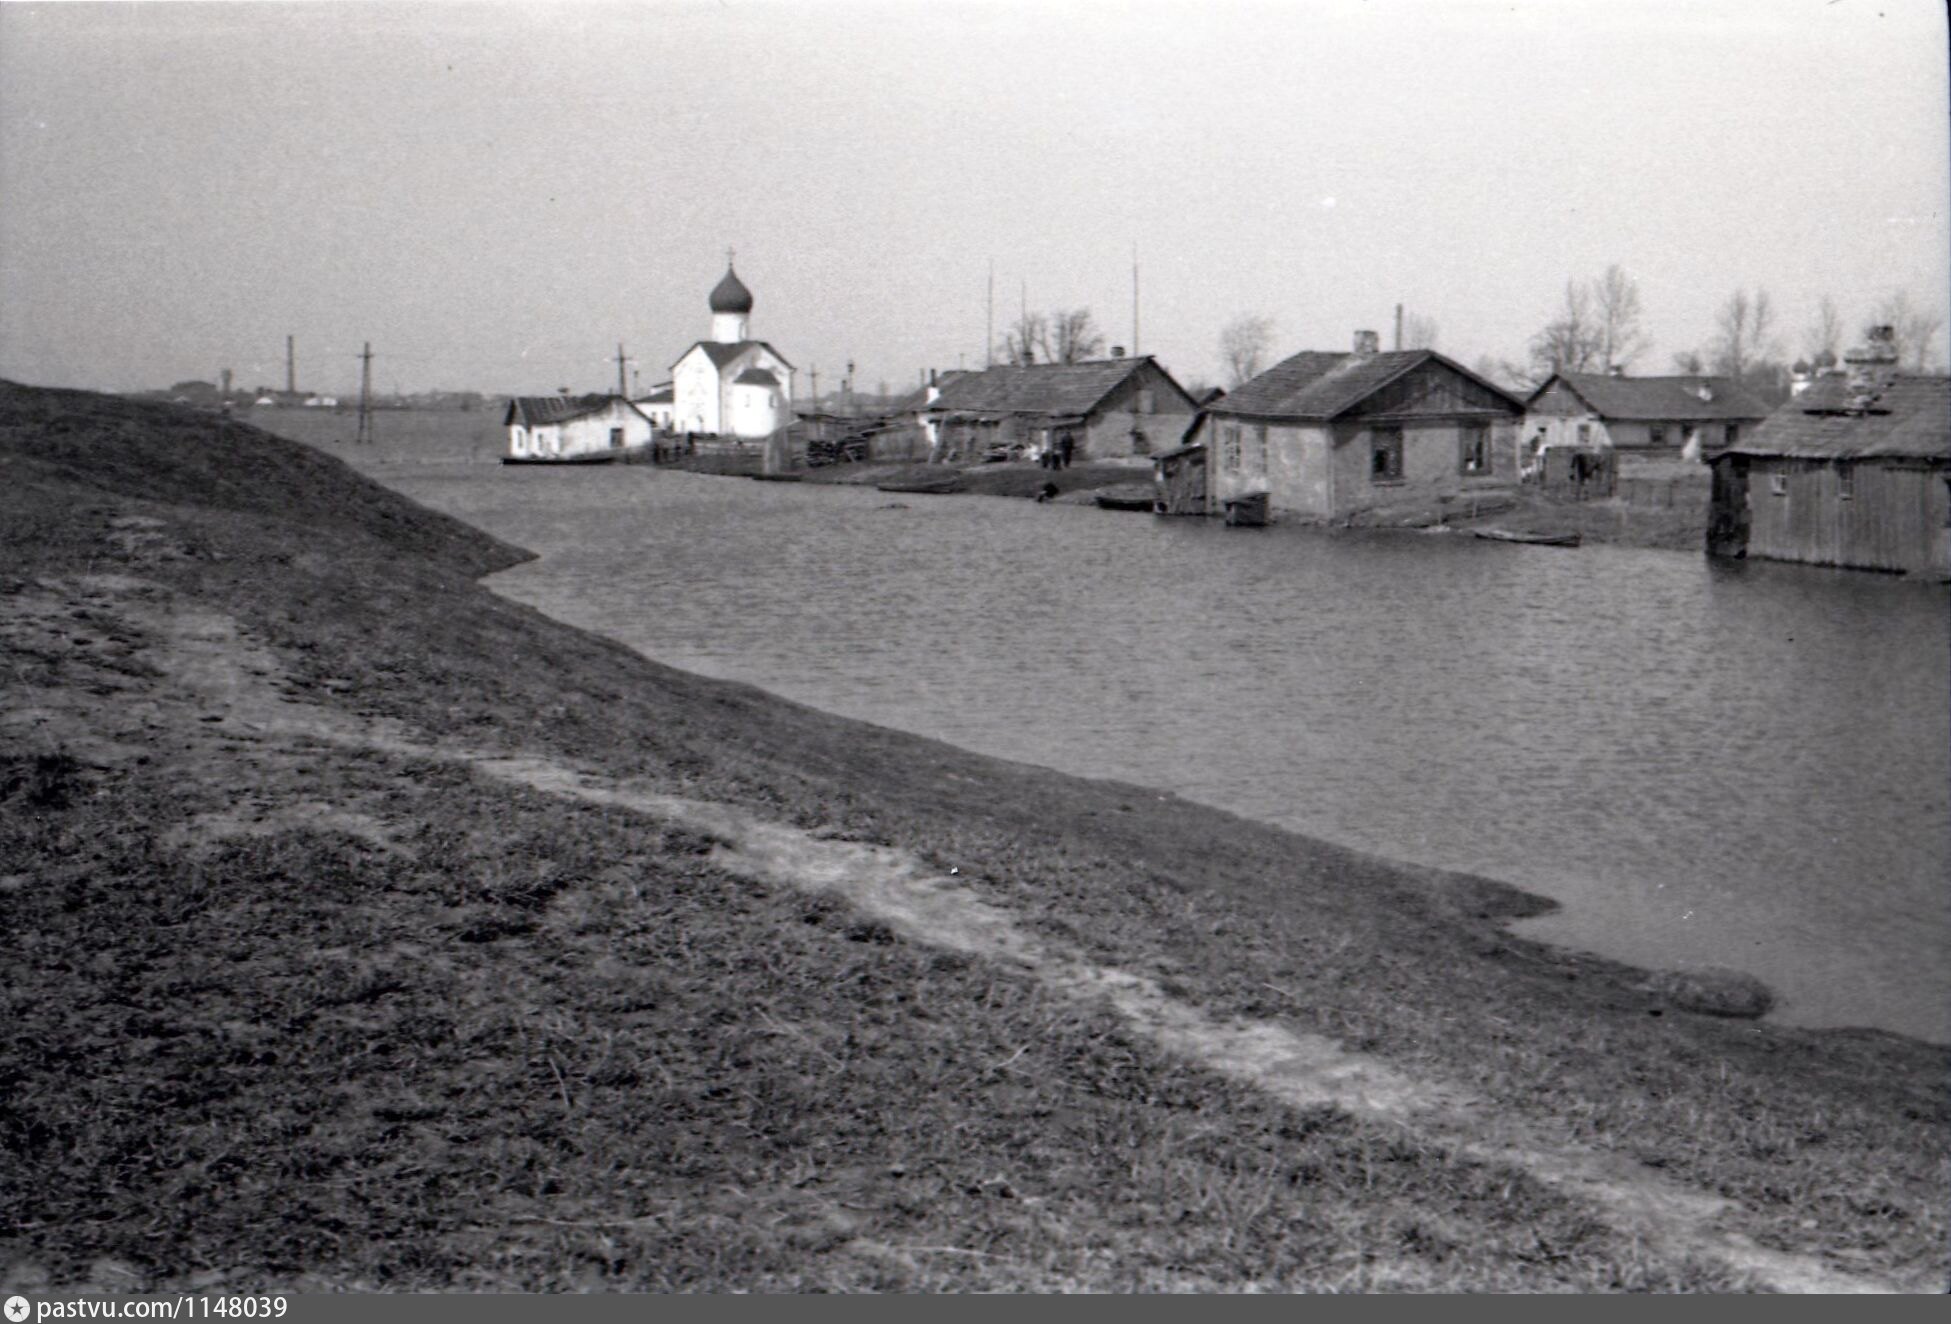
x: 1106, y: 409
x: 556, y: 427
x: 1853, y: 472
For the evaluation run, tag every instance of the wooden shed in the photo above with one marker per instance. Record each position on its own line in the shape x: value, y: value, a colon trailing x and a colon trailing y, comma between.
x: 1852, y: 472
x: 1180, y: 476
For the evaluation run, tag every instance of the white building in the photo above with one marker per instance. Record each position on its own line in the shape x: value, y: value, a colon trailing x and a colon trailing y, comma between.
x: 731, y: 384
x: 556, y: 427
x: 660, y: 406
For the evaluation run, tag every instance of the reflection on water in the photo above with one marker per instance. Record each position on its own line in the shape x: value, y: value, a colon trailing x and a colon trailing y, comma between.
x: 1709, y: 764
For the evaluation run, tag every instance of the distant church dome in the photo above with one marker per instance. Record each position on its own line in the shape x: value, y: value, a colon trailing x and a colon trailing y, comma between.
x: 730, y: 295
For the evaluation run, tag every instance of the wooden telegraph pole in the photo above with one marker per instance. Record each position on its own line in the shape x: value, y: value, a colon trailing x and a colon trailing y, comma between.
x: 621, y: 389
x: 365, y: 437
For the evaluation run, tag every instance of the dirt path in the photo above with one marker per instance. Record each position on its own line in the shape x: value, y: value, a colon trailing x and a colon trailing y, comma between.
x: 232, y: 698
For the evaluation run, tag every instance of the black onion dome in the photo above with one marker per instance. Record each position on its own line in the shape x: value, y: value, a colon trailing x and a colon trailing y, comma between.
x: 730, y: 295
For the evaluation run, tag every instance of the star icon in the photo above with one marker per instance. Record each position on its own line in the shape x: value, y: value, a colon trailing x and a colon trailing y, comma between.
x: 16, y: 1308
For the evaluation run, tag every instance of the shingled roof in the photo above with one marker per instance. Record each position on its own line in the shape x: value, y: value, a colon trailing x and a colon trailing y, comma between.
x: 755, y: 377
x: 1071, y: 390
x: 543, y: 410
x: 1320, y: 385
x: 1659, y: 399
x: 1909, y: 418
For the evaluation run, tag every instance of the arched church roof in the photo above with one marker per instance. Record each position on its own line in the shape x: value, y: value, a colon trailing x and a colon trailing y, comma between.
x: 730, y: 295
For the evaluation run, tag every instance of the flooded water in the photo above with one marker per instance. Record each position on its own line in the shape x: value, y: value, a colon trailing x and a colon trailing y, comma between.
x: 1709, y: 764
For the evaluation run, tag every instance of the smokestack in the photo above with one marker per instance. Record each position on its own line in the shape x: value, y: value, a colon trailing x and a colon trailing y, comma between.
x: 1398, y: 326
x: 1367, y: 342
x: 1117, y: 351
x: 226, y: 383
x: 291, y: 365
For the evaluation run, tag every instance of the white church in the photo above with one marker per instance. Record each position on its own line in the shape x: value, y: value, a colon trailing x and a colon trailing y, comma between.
x: 731, y: 385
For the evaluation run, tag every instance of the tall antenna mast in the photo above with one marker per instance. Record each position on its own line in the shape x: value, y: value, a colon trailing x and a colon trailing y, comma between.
x: 366, y: 395
x: 1134, y: 301
x: 989, y: 327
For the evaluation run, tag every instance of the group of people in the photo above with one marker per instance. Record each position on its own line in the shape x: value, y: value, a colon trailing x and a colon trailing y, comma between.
x: 1057, y: 454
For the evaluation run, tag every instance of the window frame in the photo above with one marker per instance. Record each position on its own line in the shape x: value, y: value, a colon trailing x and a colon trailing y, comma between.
x: 1386, y: 463
x: 1845, y: 482
x: 1777, y: 483
x: 1473, y: 458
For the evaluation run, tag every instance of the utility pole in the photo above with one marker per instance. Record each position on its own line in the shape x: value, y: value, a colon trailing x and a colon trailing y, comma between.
x: 622, y: 384
x: 814, y: 373
x: 850, y: 388
x: 1134, y: 301
x: 291, y: 365
x: 365, y: 437
x: 1398, y: 326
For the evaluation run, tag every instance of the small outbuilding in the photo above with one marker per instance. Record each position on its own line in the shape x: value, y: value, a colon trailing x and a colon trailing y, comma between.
x: 1853, y: 472
x: 1180, y: 477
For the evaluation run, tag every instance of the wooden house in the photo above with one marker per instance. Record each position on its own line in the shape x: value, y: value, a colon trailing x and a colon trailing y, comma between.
x: 1106, y: 408
x: 1650, y: 415
x: 555, y: 427
x: 1854, y: 472
x: 1328, y: 436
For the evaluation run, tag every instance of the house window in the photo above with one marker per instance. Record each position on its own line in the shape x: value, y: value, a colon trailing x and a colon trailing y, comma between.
x: 1385, y: 455
x: 1147, y: 401
x: 1846, y: 482
x: 1733, y: 433
x: 1260, y: 449
x: 1229, y: 447
x: 616, y: 439
x: 1473, y: 450
x: 1778, y: 483
x: 1584, y: 434
x: 1656, y: 434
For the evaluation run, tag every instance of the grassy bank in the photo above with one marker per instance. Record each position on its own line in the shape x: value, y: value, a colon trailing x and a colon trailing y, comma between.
x: 304, y: 989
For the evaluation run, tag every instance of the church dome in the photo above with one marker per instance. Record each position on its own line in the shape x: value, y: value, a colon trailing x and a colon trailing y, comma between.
x: 730, y: 295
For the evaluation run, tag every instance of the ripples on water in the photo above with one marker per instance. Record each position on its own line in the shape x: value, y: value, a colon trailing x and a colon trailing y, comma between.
x: 1709, y: 764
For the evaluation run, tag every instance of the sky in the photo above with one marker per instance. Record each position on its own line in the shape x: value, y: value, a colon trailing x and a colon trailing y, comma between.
x: 495, y: 196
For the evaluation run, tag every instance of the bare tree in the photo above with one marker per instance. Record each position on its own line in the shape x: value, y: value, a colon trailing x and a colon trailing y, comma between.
x: 1615, y: 307
x: 1571, y: 341
x: 1024, y: 342
x: 1074, y: 336
x: 1418, y: 331
x: 1514, y: 377
x: 1243, y: 347
x: 1915, y: 328
x: 1744, y: 343
x: 1822, y: 339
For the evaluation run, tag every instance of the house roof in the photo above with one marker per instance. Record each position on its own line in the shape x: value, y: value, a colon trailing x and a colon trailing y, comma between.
x: 1909, y: 418
x: 541, y: 410
x: 1659, y: 399
x: 755, y: 377
x: 663, y: 395
x: 1320, y: 385
x: 723, y: 353
x: 1072, y: 390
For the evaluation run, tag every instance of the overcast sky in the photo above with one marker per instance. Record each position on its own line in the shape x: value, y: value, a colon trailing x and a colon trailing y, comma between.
x: 495, y: 196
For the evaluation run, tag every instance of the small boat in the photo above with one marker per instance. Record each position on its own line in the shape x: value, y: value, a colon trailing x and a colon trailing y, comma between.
x: 587, y: 457
x: 924, y: 487
x: 1113, y: 501
x: 1535, y: 539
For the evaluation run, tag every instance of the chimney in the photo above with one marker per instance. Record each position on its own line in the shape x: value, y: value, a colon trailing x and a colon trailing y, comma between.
x: 1367, y: 342
x: 1705, y: 391
x: 1117, y: 351
x: 1872, y: 366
